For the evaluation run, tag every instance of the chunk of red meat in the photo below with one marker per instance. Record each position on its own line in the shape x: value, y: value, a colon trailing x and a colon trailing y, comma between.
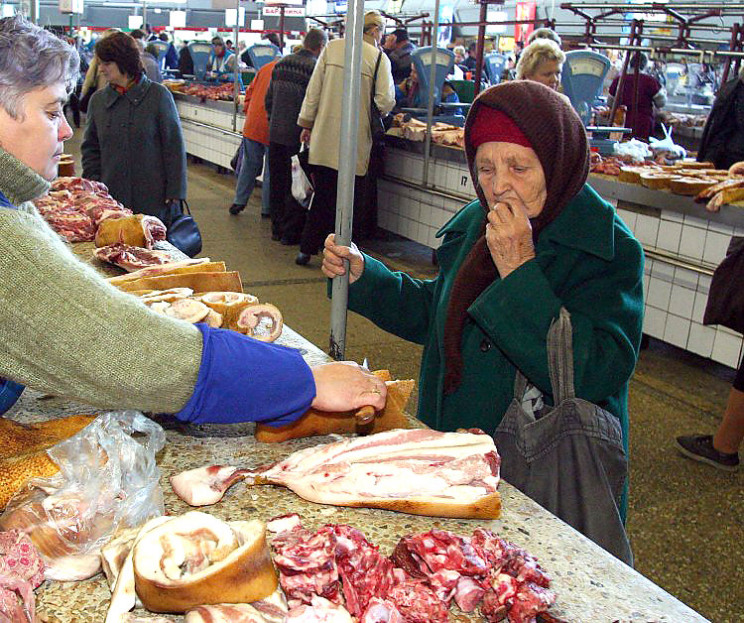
x: 365, y: 573
x: 381, y: 611
x: 468, y: 593
x: 530, y: 601
x: 418, y: 603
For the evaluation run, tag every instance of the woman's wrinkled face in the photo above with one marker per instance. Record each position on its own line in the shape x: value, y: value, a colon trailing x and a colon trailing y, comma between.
x: 512, y: 174
x: 112, y: 73
x: 548, y: 73
x: 37, y: 135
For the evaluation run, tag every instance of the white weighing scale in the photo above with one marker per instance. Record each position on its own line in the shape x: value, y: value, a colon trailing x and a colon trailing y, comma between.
x: 584, y: 73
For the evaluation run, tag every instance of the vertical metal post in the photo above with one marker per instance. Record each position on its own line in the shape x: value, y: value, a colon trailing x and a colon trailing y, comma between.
x: 281, y: 28
x: 430, y: 105
x: 236, y: 68
x: 480, y: 45
x: 144, y: 15
x: 347, y: 159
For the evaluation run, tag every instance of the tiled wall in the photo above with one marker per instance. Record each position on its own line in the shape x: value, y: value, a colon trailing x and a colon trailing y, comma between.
x: 675, y: 297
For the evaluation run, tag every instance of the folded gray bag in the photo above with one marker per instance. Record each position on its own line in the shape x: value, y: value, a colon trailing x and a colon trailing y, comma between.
x: 568, y: 458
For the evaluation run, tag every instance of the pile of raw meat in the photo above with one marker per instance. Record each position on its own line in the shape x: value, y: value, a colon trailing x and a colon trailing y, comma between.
x: 21, y: 571
x: 223, y: 92
x: 74, y: 207
x: 417, y: 583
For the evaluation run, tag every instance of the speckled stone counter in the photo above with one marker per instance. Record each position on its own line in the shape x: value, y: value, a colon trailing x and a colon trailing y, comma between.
x: 592, y: 586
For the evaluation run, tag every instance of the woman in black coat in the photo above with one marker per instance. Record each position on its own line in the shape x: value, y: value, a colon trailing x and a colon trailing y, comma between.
x: 133, y: 141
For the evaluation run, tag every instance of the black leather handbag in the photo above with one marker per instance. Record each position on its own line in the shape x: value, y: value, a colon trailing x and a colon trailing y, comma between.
x: 183, y: 231
x: 725, y: 304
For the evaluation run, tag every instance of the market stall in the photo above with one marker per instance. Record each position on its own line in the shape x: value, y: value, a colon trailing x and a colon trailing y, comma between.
x: 682, y: 241
x: 591, y: 585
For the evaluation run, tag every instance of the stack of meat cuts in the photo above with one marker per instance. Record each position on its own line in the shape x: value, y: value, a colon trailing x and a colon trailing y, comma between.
x: 74, y: 207
x: 131, y: 258
x: 418, y: 583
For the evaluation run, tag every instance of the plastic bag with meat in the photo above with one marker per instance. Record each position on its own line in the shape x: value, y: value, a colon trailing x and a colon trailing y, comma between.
x: 108, y: 480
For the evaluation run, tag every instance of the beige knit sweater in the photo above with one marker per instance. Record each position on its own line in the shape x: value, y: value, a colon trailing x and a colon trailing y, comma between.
x: 64, y: 330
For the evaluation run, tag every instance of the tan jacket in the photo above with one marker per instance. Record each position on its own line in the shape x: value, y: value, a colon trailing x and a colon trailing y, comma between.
x: 94, y: 79
x: 325, y: 98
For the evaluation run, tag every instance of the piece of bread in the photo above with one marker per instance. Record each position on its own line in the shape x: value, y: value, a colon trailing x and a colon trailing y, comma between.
x: 656, y: 180
x: 630, y: 175
x: 23, y: 450
x: 321, y: 423
x: 199, y: 282
x: 690, y: 185
x: 234, y: 567
x: 201, y: 265
x: 693, y: 164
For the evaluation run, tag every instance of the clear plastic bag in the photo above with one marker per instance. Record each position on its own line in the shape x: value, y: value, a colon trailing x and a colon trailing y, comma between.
x: 637, y: 150
x: 108, y: 480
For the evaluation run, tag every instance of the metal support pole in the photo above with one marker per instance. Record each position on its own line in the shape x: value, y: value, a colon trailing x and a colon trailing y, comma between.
x: 236, y: 68
x: 430, y: 104
x: 347, y: 158
x: 144, y: 15
x: 479, y: 46
x: 281, y: 28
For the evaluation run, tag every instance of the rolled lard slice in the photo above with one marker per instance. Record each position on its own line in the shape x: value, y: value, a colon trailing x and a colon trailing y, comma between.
x: 173, y: 294
x: 228, y: 304
x: 188, y: 310
x: 196, y: 559
x: 213, y: 319
x: 262, y: 322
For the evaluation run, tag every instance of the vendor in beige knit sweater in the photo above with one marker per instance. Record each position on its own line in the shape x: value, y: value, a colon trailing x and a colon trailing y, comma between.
x: 64, y: 330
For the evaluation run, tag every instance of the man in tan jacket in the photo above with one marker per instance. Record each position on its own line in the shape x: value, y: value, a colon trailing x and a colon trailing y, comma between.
x: 320, y: 117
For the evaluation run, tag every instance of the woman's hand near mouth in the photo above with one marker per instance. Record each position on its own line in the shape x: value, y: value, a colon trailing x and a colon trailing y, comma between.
x: 509, y: 237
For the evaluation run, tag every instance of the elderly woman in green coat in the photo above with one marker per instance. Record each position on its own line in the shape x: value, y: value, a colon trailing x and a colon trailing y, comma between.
x: 537, y: 239
x: 133, y: 141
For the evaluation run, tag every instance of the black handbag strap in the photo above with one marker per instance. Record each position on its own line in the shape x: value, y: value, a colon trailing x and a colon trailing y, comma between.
x: 185, y: 207
x: 560, y: 361
x: 374, y: 78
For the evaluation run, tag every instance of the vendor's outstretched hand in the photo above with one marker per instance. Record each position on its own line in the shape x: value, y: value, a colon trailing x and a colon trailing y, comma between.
x: 334, y: 255
x: 346, y: 386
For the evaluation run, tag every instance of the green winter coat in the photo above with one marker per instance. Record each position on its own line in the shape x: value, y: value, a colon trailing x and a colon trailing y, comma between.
x: 133, y: 143
x: 587, y: 261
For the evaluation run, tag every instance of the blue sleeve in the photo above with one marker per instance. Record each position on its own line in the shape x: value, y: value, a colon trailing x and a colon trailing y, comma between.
x: 244, y: 380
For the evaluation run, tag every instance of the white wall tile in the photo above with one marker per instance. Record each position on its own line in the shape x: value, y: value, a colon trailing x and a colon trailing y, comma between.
x: 416, y: 168
x: 726, y: 349
x: 669, y: 236
x: 715, y: 247
x: 681, y: 301
x: 704, y: 283
x: 686, y: 278
x: 628, y: 217
x: 694, y: 221
x: 701, y: 340
x: 646, y: 282
x: 698, y: 309
x: 647, y: 229
x: 662, y: 270
x: 720, y: 227
x: 671, y: 215
x: 654, y: 322
x: 692, y: 242
x: 676, y: 331
x: 659, y: 292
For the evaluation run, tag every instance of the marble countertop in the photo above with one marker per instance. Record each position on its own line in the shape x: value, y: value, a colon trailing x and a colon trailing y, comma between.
x: 591, y: 585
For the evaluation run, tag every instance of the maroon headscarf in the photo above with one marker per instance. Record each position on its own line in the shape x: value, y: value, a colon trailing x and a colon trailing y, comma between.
x: 553, y: 129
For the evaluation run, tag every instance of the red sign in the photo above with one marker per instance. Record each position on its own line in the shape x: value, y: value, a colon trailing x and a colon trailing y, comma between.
x: 525, y: 11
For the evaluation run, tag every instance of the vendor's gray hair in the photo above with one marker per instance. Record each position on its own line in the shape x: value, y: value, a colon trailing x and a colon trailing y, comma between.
x: 32, y: 58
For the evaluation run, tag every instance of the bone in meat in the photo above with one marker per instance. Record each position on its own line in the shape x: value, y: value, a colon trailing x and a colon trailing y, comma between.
x: 206, y: 485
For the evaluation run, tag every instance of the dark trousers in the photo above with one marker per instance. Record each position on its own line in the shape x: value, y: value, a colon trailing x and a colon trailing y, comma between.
x: 287, y: 216
x: 321, y: 220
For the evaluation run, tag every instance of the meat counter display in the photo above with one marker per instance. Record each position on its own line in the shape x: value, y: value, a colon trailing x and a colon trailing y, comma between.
x: 589, y: 584
x: 683, y: 242
x: 211, y: 130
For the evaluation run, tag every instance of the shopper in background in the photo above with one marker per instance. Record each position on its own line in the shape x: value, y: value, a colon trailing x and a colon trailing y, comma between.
x: 545, y: 33
x: 171, y: 56
x: 96, y: 344
x: 133, y: 141
x: 94, y: 80
x: 723, y: 136
x: 255, y: 144
x: 471, y: 60
x: 399, y: 48
x: 650, y: 94
x: 538, y: 238
x: 541, y: 61
x: 185, y: 62
x: 408, y: 94
x: 221, y: 61
x: 284, y: 97
x: 321, y: 119
x: 150, y: 62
